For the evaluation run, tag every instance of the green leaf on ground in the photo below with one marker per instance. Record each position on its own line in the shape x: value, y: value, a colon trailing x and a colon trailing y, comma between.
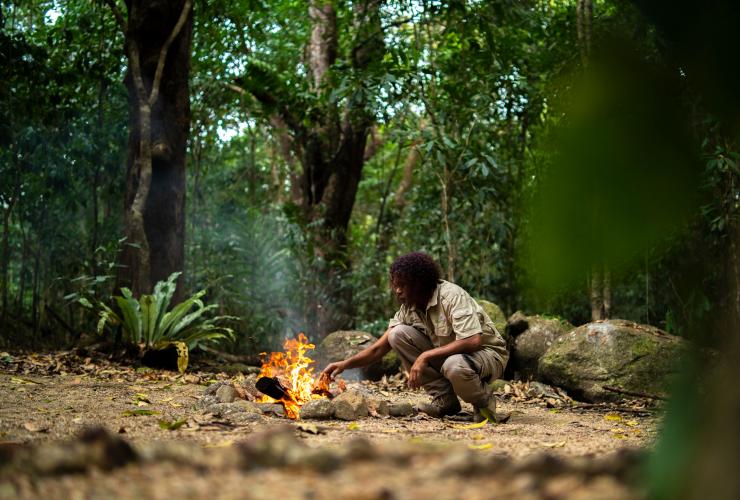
x: 136, y: 413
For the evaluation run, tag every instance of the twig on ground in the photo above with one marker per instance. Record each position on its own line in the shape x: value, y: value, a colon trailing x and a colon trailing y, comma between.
x: 632, y: 393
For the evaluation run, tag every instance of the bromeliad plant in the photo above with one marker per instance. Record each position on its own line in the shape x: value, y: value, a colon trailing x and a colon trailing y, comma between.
x: 147, y: 321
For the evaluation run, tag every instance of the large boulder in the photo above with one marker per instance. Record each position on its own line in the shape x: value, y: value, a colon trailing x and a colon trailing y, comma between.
x: 343, y: 344
x: 496, y: 314
x: 616, y: 353
x: 528, y: 338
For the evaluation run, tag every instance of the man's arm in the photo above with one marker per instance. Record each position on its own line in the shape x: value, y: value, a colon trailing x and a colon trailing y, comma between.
x: 366, y: 357
x: 461, y: 346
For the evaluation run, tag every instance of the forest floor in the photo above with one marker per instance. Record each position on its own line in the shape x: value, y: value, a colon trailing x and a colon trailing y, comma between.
x: 549, y: 448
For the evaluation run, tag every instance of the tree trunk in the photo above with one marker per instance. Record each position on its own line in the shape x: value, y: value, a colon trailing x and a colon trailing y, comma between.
x: 600, y: 291
x: 158, y: 37
x: 6, y: 261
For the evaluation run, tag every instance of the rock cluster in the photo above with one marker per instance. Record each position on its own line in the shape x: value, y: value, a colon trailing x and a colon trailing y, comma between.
x: 351, y: 405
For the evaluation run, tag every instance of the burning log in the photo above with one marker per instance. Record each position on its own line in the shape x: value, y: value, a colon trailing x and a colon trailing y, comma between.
x: 271, y: 386
x: 287, y: 378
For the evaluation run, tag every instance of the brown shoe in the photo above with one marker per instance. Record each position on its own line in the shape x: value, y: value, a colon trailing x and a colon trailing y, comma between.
x: 440, y: 406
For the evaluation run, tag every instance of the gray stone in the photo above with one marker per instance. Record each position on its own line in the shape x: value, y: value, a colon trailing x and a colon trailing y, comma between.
x: 527, y: 346
x: 377, y: 407
x: 318, y: 409
x: 538, y: 389
x: 249, y: 407
x: 211, y: 389
x: 226, y: 394
x: 271, y: 408
x: 400, y: 410
x: 340, y: 345
x: 350, y: 405
x: 616, y: 353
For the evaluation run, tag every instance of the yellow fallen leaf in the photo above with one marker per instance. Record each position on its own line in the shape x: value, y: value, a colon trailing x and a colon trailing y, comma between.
x: 175, y: 405
x: 354, y: 426
x: 484, y: 446
x: 632, y: 423
x: 558, y: 444
x: 24, y: 381
x: 471, y: 426
x: 141, y: 398
x: 612, y: 417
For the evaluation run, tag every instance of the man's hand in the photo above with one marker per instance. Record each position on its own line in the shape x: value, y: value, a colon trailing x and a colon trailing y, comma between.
x: 416, y: 370
x: 334, y: 369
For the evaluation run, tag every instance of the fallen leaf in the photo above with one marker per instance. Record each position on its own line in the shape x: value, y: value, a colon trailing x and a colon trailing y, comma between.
x: 612, y: 417
x: 558, y: 444
x: 141, y: 398
x: 24, y: 381
x: 471, y: 426
x: 353, y: 426
x: 632, y: 423
x: 34, y: 427
x: 136, y: 413
x: 310, y: 429
x: 171, y: 426
x: 484, y: 446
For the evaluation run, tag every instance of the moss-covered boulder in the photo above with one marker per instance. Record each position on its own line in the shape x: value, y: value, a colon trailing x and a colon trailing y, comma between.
x: 340, y: 345
x: 528, y: 339
x: 496, y: 314
x: 615, y: 353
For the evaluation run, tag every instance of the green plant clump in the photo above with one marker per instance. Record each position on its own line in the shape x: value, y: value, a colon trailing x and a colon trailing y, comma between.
x: 147, y: 320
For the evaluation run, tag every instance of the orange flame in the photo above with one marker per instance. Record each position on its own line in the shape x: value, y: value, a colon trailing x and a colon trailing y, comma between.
x: 293, y: 370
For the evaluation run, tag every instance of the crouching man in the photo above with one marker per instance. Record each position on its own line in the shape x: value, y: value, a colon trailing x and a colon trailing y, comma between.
x: 444, y: 338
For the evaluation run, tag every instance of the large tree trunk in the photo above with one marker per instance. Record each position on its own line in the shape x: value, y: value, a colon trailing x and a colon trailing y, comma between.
x: 158, y: 38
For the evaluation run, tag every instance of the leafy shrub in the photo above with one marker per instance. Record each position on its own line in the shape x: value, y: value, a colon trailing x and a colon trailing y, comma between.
x: 148, y: 321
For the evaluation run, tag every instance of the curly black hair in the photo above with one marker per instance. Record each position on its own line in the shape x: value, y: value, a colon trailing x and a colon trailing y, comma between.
x: 417, y: 273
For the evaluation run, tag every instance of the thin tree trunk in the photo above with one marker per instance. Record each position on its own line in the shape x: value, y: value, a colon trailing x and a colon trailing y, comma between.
x: 36, y: 293
x: 6, y: 260
x: 446, y: 203
x: 595, y: 293
x: 22, y: 274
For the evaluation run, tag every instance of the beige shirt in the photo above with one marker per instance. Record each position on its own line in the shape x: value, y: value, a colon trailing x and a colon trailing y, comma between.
x: 452, y: 314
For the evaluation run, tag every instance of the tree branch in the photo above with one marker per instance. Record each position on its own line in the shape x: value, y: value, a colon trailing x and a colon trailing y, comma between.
x: 163, y: 51
x: 119, y: 17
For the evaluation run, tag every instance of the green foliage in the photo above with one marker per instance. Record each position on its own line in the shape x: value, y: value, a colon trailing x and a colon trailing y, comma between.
x: 148, y: 320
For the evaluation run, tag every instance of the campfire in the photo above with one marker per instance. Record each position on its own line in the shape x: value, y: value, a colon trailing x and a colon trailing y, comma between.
x: 287, y: 377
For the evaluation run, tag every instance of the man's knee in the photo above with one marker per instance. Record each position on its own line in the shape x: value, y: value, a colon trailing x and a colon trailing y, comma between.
x: 398, y: 335
x: 457, y: 367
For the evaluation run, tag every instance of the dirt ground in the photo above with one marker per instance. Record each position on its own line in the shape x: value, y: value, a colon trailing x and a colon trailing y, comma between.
x: 550, y: 448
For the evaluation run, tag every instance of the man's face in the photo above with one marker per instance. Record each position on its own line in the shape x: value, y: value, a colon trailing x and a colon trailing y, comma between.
x: 401, y: 290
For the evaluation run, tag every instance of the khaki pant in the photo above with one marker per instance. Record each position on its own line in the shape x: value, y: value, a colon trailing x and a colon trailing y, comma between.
x: 467, y: 375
